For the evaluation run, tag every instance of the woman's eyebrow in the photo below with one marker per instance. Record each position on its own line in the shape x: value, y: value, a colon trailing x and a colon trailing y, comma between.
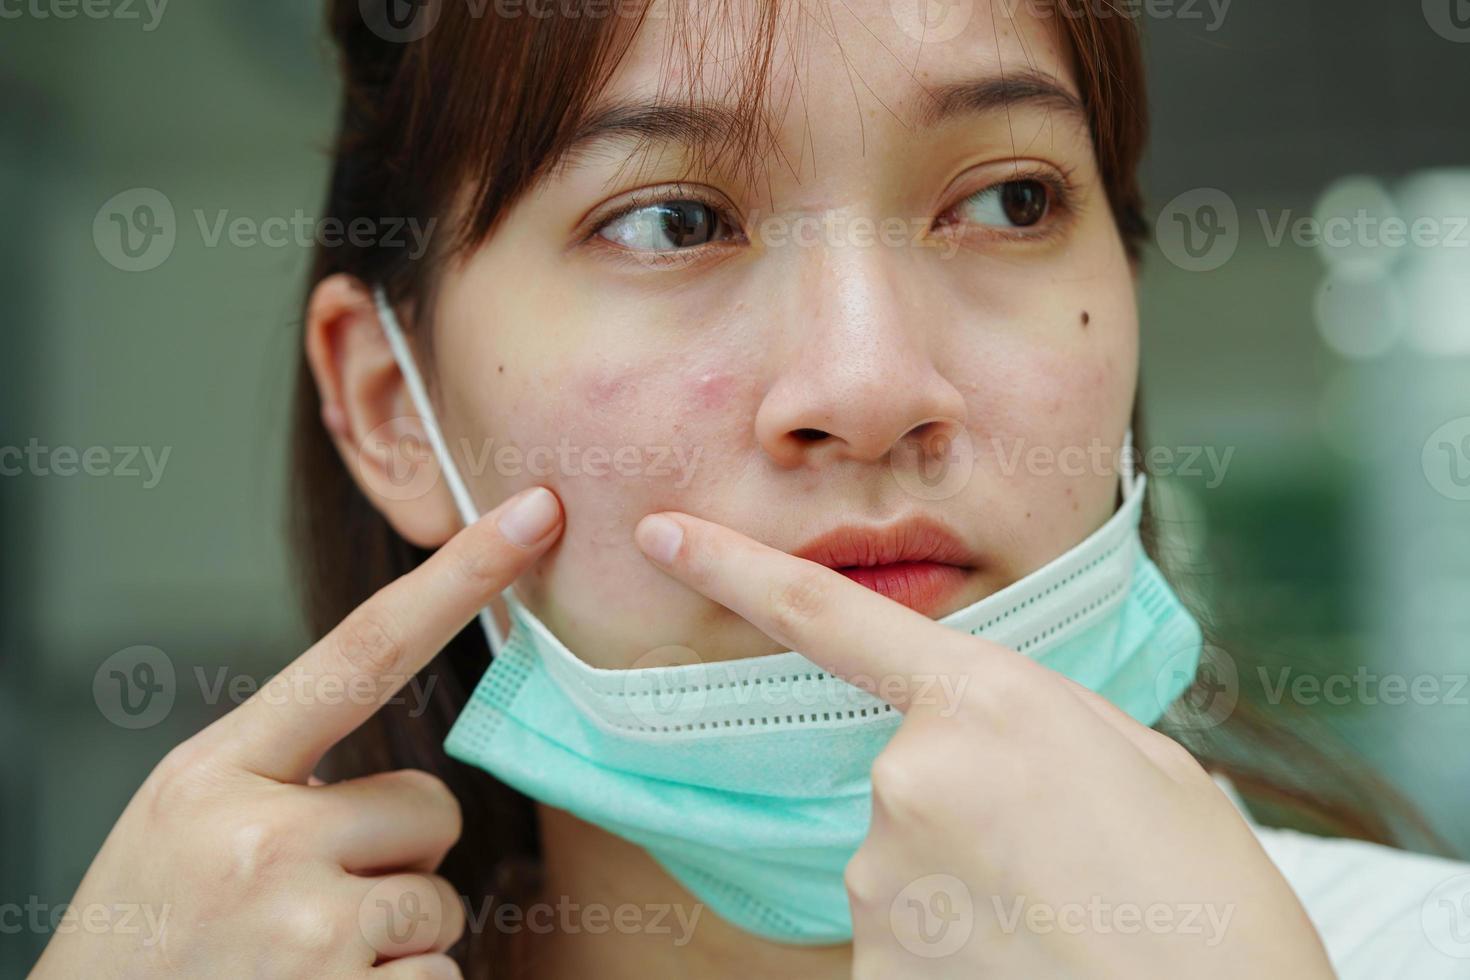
x: 996, y: 93
x: 713, y: 126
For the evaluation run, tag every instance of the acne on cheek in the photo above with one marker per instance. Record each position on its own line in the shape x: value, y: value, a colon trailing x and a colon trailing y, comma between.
x: 661, y: 425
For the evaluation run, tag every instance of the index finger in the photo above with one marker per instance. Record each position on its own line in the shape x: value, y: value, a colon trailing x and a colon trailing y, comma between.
x: 846, y: 628
x: 285, y: 728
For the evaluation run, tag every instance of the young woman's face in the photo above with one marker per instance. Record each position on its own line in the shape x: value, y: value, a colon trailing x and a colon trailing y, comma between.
x: 920, y: 310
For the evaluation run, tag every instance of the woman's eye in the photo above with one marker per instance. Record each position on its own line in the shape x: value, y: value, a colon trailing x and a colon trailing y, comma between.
x: 1012, y: 204
x: 665, y: 226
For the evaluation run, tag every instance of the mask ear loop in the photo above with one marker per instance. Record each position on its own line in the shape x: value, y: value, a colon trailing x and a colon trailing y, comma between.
x: 1126, y: 465
x: 420, y: 396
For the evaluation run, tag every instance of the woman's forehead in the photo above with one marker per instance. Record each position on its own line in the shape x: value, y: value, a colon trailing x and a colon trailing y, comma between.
x: 892, y: 51
x: 753, y: 80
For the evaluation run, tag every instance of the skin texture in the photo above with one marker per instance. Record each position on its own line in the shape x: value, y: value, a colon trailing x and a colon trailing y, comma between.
x: 730, y: 353
x: 814, y: 381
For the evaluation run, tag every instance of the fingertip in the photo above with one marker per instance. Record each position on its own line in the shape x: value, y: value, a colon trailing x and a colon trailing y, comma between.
x: 659, y: 537
x: 529, y: 517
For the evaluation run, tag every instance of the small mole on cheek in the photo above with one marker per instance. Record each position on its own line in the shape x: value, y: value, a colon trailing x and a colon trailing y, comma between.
x: 500, y: 369
x: 1086, y: 318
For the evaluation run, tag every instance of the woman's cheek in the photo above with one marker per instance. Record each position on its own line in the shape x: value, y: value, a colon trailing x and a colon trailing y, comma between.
x: 624, y: 440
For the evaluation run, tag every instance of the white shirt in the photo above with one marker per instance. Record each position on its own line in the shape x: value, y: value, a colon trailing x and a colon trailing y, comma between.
x: 1383, y: 914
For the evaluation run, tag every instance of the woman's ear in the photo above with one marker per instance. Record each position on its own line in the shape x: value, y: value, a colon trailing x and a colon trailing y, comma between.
x: 371, y: 418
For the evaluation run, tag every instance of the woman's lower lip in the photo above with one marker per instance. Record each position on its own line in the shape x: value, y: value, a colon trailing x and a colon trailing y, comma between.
x: 921, y: 585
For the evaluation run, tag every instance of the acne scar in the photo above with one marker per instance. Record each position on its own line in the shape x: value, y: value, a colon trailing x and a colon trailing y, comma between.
x: 608, y: 389
x: 712, y: 389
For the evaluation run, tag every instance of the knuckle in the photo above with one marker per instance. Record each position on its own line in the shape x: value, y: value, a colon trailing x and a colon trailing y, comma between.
x: 369, y: 641
x: 436, y: 967
x: 895, y: 783
x: 860, y: 879
x: 313, y: 927
x: 1008, y: 695
x: 177, y: 782
x: 253, y: 847
x: 438, y: 792
x: 799, y: 601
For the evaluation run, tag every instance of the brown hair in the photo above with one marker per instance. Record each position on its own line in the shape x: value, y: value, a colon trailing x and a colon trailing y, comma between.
x: 464, y: 120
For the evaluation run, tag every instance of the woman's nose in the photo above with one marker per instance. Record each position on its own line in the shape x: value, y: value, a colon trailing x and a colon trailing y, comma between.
x: 857, y: 377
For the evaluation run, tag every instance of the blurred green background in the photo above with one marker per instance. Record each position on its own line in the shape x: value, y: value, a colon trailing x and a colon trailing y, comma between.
x: 1337, y: 377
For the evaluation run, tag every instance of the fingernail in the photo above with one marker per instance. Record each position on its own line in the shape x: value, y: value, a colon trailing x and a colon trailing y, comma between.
x: 528, y: 519
x: 659, y: 538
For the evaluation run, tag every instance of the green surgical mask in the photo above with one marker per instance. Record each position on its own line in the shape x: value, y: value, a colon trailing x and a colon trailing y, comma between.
x: 748, y: 780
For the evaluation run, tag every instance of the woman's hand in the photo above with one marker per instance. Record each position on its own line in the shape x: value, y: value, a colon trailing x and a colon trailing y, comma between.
x: 1022, y: 825
x: 256, y: 869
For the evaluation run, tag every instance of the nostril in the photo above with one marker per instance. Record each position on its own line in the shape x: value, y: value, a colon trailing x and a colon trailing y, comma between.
x: 809, y: 435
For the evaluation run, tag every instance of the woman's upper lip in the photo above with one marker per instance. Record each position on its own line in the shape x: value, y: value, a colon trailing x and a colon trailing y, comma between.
x: 916, y: 539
